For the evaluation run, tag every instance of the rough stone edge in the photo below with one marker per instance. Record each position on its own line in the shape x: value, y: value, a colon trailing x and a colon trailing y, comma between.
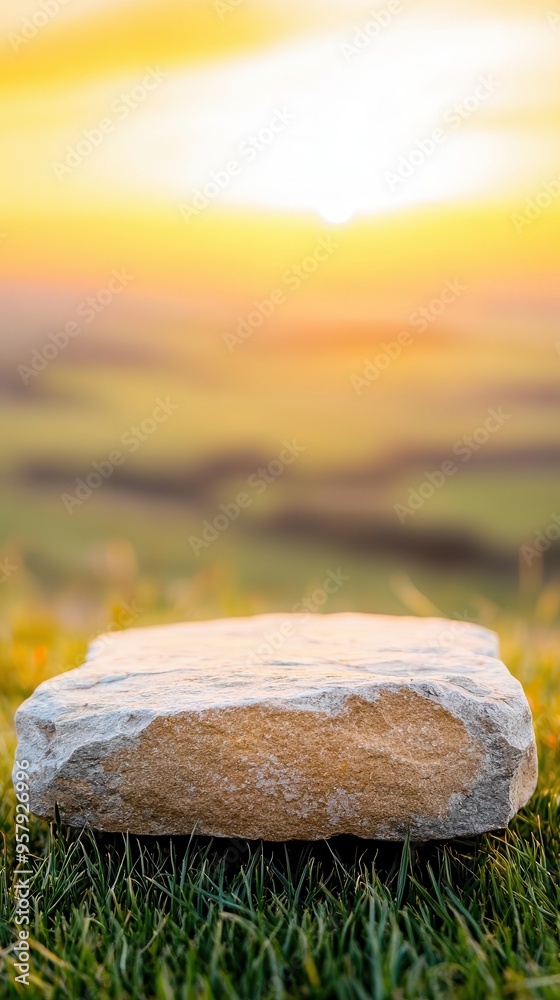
x: 495, y: 806
x: 517, y: 785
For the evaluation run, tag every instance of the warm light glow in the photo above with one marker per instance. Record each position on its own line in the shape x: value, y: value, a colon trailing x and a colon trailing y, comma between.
x: 324, y: 126
x: 336, y: 214
x: 354, y: 119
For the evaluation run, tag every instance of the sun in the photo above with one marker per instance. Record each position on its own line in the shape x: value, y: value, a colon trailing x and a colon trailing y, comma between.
x: 311, y: 131
x: 336, y: 214
x: 302, y: 128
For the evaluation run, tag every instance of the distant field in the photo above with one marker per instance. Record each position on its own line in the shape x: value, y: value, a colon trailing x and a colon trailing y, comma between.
x: 349, y: 921
x: 275, y: 387
x: 116, y: 919
x: 236, y: 921
x: 363, y: 454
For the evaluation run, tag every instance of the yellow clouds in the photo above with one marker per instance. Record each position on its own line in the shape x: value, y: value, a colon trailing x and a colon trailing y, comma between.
x: 212, y: 139
x: 86, y: 40
x: 382, y: 111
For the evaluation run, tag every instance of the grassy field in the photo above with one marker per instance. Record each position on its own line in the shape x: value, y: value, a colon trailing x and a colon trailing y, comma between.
x: 363, y: 455
x: 117, y: 918
x: 234, y: 921
x: 473, y: 387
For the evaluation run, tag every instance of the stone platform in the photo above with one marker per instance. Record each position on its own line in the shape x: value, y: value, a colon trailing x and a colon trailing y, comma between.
x: 284, y: 726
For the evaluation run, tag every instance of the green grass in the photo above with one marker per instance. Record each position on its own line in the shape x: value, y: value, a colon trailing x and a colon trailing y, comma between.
x: 124, y: 919
x: 199, y: 918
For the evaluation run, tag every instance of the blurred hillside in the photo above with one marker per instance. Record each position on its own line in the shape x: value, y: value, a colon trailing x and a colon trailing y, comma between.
x: 364, y: 447
x: 399, y: 336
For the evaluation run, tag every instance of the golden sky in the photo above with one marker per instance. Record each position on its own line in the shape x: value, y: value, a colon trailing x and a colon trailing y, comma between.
x: 207, y: 144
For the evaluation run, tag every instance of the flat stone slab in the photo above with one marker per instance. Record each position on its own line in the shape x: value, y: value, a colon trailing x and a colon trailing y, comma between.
x: 284, y: 726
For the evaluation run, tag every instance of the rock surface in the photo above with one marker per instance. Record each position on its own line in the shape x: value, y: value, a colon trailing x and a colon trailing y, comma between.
x: 284, y: 726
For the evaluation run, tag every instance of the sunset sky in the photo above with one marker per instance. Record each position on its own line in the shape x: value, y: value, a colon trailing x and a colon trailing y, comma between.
x: 349, y: 162
x: 182, y: 89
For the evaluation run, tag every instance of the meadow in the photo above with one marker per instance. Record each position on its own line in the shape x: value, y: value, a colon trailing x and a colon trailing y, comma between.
x: 115, y: 917
x: 123, y: 918
x: 342, y: 292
